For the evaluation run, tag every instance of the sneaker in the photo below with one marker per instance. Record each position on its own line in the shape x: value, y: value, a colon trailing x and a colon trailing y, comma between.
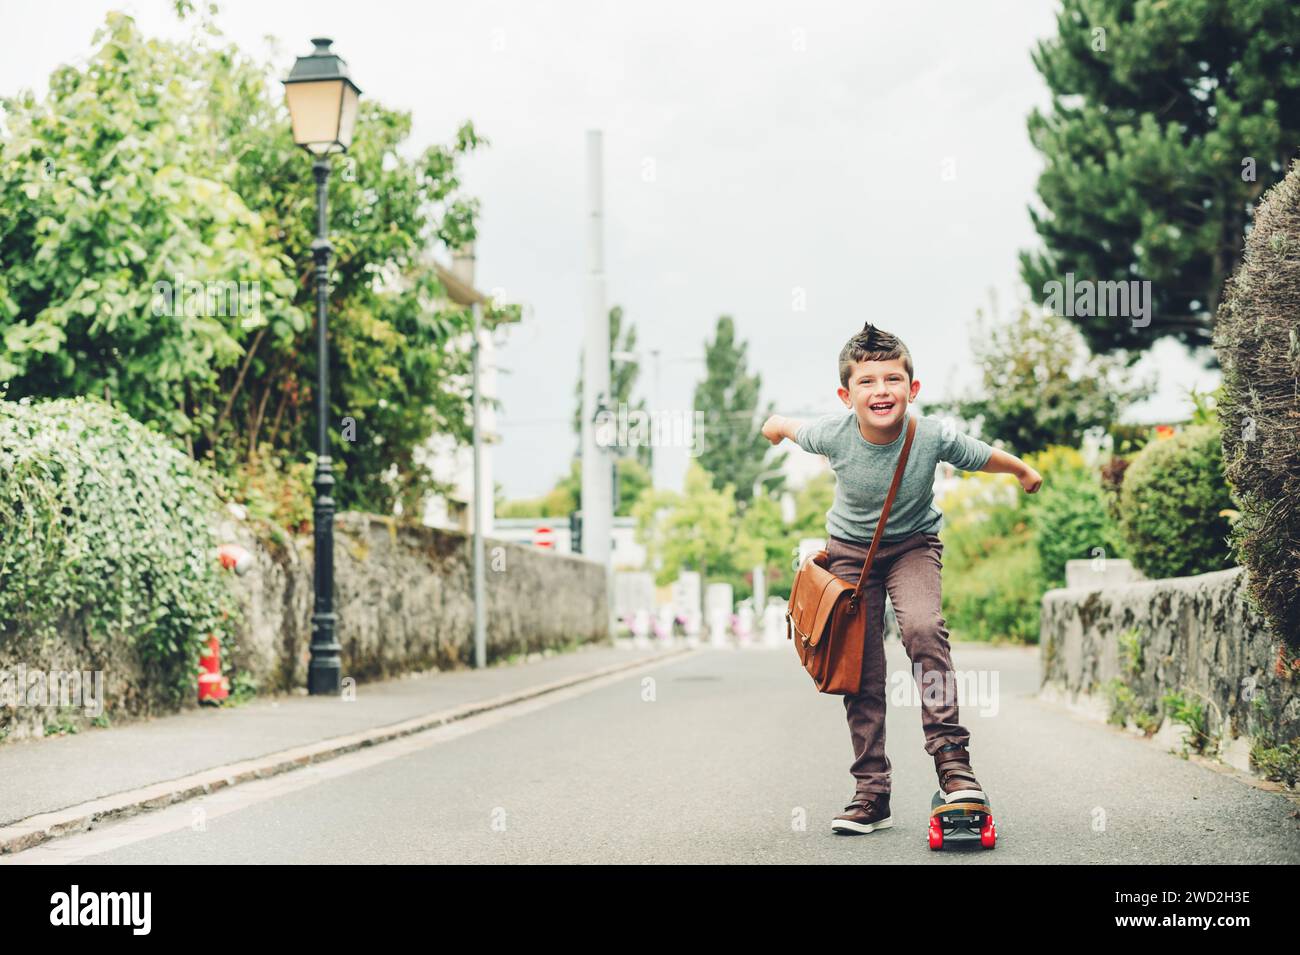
x: 956, y: 780
x: 867, y: 812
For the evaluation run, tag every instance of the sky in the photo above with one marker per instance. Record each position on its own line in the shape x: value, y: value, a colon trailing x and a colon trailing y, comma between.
x: 802, y: 167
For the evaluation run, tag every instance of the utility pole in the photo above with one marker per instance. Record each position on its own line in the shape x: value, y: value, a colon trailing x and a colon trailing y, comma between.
x: 597, y: 489
x: 480, y: 590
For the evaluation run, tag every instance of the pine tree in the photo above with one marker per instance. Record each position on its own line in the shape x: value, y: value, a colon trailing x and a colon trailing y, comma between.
x: 1168, y: 120
x: 733, y: 449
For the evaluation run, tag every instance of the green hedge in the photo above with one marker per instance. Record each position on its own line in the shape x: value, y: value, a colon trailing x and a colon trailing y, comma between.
x: 1170, y: 504
x: 1258, y: 343
x: 104, y: 522
x: 1071, y: 522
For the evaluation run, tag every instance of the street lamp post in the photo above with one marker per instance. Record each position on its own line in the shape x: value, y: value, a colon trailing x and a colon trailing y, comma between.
x: 322, y: 102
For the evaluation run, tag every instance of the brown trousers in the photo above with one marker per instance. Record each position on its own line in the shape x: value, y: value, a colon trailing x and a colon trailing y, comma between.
x: 911, y: 571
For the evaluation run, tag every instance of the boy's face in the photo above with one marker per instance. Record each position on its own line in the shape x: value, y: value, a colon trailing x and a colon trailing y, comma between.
x: 879, y: 392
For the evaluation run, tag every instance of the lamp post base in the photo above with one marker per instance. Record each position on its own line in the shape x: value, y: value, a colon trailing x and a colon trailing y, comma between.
x: 325, y: 672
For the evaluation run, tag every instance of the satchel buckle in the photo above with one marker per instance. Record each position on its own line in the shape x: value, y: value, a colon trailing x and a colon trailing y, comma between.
x: 802, y: 636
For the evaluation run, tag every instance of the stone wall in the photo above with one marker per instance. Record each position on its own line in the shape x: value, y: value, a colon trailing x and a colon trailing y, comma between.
x: 404, y: 603
x: 403, y: 598
x: 1114, y: 652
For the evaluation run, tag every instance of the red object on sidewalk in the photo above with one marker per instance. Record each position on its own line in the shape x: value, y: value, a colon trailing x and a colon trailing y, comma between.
x: 213, y: 687
x: 233, y: 557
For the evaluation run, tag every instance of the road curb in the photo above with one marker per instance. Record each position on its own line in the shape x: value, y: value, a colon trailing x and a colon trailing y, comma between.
x: 35, y: 830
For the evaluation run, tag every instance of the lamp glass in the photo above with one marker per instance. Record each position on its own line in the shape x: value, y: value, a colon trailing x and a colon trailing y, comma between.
x: 314, y: 112
x: 348, y: 116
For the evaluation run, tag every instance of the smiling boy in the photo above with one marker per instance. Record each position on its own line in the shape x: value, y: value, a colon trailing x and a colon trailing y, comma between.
x: 877, y: 386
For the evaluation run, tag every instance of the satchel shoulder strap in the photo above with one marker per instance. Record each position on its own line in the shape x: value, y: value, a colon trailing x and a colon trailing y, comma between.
x: 884, y: 512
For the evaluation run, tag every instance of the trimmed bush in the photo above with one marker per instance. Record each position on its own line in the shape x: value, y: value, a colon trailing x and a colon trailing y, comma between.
x: 1257, y: 339
x: 1071, y: 523
x: 103, y: 522
x: 1170, y: 504
x: 1068, y: 514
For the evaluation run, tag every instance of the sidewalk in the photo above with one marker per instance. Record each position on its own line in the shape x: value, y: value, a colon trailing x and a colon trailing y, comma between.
x: 65, y: 784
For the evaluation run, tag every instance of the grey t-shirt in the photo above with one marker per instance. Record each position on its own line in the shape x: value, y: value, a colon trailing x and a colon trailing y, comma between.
x: 864, y: 470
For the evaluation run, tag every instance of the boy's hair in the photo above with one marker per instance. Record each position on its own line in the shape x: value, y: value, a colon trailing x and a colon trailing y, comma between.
x: 872, y: 344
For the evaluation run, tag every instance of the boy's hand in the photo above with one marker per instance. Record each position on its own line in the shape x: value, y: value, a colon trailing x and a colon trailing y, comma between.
x: 1030, y: 480
x: 773, y: 430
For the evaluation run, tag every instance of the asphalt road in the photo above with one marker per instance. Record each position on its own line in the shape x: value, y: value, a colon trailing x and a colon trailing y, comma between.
x: 722, y: 756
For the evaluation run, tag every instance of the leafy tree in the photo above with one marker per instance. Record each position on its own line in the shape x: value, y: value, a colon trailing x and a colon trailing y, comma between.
x: 160, y: 160
x: 1039, y: 386
x: 697, y: 529
x: 763, y: 524
x: 1168, y: 120
x: 734, y: 451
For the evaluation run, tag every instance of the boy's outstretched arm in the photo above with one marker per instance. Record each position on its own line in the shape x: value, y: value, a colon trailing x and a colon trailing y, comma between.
x: 777, y: 428
x: 1000, y: 462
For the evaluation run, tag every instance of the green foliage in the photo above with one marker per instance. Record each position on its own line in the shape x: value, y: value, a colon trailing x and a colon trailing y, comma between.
x: 277, y: 490
x: 102, y: 523
x: 632, y: 481
x: 1144, y: 146
x: 1279, y: 762
x: 696, y: 530
x: 243, y: 689
x: 1125, y: 708
x: 734, y: 449
x: 1205, y: 406
x: 1258, y: 344
x: 1130, y: 651
x: 998, y: 598
x: 1039, y: 386
x: 1193, y: 714
x: 111, y: 184
x: 762, y: 523
x: 1171, y: 503
x: 993, y: 585
x: 781, y: 542
x: 61, y: 726
x: 160, y: 159
x: 1004, y: 549
x: 1070, y: 516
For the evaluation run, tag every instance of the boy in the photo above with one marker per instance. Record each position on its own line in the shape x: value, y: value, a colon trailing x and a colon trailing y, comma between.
x: 876, y: 385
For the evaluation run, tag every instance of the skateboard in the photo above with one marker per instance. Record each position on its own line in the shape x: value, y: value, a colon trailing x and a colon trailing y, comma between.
x: 965, y: 821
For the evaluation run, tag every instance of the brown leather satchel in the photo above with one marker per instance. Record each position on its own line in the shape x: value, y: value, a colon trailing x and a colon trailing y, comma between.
x: 824, y: 609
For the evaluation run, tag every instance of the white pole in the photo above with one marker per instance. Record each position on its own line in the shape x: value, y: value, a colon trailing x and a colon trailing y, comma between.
x: 597, y: 476
x: 480, y: 616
